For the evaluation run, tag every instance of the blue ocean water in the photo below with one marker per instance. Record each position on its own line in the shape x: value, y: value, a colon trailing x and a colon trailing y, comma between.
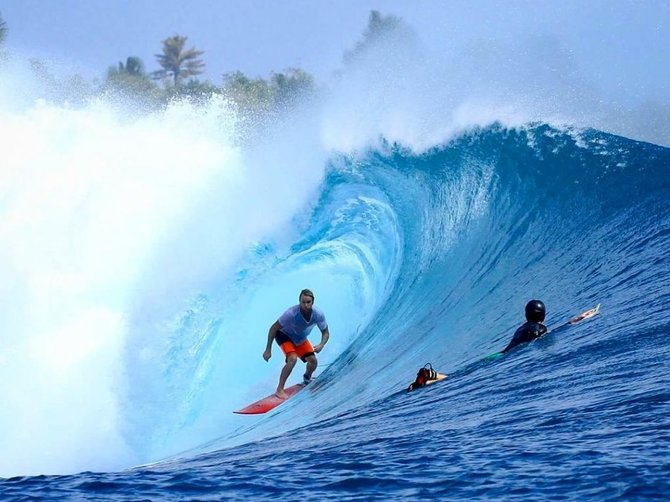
x: 415, y: 257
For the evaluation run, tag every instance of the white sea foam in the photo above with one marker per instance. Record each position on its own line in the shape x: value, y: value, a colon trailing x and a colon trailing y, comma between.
x: 107, y: 220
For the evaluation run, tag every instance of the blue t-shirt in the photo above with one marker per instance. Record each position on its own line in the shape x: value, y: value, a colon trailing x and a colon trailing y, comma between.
x: 296, y: 327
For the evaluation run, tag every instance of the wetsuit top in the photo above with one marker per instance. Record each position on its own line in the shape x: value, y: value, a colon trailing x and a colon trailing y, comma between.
x: 526, y: 333
x: 296, y: 327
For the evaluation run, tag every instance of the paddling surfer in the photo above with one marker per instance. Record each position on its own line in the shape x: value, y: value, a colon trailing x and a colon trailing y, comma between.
x: 532, y: 328
x: 290, y: 332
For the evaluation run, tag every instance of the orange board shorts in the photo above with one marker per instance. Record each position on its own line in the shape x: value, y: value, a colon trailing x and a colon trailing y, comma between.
x: 287, y: 346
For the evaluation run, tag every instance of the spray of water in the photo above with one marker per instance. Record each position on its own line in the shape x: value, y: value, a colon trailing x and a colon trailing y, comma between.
x: 144, y: 257
x: 111, y: 224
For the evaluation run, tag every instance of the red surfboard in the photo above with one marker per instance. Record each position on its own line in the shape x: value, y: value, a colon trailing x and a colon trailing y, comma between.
x: 269, y: 403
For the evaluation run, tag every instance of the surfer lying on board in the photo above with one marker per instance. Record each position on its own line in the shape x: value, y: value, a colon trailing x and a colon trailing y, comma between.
x: 291, y: 331
x: 426, y: 376
x: 533, y: 328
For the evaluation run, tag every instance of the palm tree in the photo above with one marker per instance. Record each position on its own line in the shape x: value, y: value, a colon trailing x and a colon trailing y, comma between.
x: 134, y: 66
x: 129, y: 80
x: 379, y: 28
x: 177, y: 62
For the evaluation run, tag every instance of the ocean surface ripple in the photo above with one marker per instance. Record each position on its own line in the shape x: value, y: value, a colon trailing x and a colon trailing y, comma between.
x: 440, y: 251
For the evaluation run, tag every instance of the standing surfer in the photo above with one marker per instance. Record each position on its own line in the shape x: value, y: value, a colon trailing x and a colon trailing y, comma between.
x: 291, y: 331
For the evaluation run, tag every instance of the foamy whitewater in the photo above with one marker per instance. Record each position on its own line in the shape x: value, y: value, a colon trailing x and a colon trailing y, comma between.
x: 143, y: 259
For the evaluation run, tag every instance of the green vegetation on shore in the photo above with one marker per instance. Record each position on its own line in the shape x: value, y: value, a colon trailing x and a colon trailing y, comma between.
x: 129, y: 82
x: 3, y: 30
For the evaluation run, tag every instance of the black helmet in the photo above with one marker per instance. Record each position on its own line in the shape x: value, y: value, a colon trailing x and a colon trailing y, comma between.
x: 535, y: 311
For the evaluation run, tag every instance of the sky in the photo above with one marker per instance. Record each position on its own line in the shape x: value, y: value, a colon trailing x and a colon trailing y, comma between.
x: 621, y: 46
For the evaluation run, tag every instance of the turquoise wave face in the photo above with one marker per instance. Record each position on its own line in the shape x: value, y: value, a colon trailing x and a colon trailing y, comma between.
x: 425, y: 257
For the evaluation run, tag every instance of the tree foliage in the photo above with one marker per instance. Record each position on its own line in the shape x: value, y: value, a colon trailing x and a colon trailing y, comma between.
x: 73, y: 90
x: 134, y: 66
x: 291, y: 87
x: 178, y: 63
x: 251, y: 95
x: 132, y: 69
x: 129, y: 80
x: 194, y: 90
x: 3, y: 30
x: 380, y: 28
x: 262, y: 97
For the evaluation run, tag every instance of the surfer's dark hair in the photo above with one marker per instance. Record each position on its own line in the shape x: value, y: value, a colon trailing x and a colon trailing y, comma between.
x: 306, y: 292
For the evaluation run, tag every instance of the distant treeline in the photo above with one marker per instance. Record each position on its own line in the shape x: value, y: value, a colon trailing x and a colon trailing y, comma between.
x: 177, y: 77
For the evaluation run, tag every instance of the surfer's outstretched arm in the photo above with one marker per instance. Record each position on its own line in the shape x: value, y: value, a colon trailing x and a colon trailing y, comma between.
x: 325, y: 336
x: 271, y: 337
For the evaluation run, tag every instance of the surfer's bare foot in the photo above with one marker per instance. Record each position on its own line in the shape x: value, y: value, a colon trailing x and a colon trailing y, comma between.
x: 281, y: 394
